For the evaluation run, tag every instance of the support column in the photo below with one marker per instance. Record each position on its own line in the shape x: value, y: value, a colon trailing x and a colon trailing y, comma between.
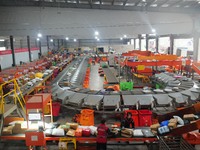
x: 58, y: 44
x: 29, y: 48
x: 12, y: 50
x: 140, y: 38
x: 196, y: 47
x: 134, y: 40
x: 171, y: 50
x: 157, y: 43
x: 147, y: 42
x: 65, y: 43
x: 47, y: 43
x: 40, y: 48
x: 62, y: 42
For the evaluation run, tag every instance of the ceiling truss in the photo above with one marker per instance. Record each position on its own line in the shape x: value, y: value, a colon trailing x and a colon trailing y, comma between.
x: 179, y: 6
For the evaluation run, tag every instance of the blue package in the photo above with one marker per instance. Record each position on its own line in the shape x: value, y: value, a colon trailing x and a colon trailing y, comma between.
x: 164, y: 123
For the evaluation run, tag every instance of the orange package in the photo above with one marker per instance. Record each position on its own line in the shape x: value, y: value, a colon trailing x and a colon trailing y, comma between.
x: 78, y: 132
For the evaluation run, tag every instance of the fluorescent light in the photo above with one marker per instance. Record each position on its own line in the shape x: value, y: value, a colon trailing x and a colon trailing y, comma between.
x: 153, y: 30
x: 38, y: 39
x: 98, y: 40
x: 121, y: 38
x: 96, y: 37
x: 67, y: 38
x: 96, y: 33
x: 51, y: 40
x: 39, y: 35
x: 125, y: 36
x: 2, y: 40
x: 75, y: 40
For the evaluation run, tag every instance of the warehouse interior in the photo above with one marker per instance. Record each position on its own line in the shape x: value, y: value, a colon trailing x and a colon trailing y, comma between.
x: 68, y: 66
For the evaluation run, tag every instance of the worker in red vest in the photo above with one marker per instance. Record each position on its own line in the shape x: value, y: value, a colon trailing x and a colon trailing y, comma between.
x: 102, y: 132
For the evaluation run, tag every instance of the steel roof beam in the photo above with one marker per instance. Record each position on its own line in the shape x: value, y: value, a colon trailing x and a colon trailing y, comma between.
x: 159, y: 5
x: 171, y: 5
x: 151, y: 2
x: 96, y: 6
x: 137, y: 2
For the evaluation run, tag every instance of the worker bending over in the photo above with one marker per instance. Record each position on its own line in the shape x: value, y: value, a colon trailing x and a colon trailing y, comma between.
x: 128, y: 122
x: 102, y: 133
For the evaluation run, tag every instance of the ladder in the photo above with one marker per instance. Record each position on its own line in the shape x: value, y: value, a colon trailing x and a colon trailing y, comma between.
x: 17, y: 102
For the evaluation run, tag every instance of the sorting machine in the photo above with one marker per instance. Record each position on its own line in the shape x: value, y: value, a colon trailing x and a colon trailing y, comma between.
x: 177, y: 91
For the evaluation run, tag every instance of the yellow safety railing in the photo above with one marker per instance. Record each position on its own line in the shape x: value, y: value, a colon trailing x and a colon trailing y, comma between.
x: 16, y: 93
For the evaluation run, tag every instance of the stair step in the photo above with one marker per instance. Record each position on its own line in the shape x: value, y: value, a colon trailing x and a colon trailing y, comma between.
x: 22, y: 113
x: 9, y: 108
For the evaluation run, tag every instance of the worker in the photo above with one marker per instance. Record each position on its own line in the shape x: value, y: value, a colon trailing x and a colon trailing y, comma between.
x: 128, y: 122
x: 102, y: 133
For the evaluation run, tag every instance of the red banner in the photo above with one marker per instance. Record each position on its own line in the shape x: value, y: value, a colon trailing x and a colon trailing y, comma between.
x: 18, y: 50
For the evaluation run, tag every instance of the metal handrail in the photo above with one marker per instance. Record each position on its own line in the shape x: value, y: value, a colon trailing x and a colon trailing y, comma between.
x: 16, y: 95
x: 162, y: 144
x: 181, y: 144
x: 184, y: 145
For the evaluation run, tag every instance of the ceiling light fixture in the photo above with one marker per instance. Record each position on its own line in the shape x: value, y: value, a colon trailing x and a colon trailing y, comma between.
x: 67, y: 38
x: 125, y: 36
x: 51, y: 40
x: 96, y: 37
x: 2, y: 40
x: 153, y: 30
x: 121, y: 38
x: 96, y: 33
x: 38, y: 39
x: 75, y: 40
x: 39, y: 35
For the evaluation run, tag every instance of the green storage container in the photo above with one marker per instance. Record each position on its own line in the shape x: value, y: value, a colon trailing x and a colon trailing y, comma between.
x: 126, y: 86
x: 157, y: 86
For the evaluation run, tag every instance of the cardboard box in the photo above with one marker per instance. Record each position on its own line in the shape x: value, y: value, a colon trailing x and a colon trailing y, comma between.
x: 18, y: 126
x: 189, y: 117
x: 7, y: 130
x: 154, y: 132
x: 155, y: 126
x: 172, y: 125
x: 66, y: 83
x: 71, y: 132
x: 173, y: 121
x: 18, y: 131
x: 127, y: 133
x: 73, y: 126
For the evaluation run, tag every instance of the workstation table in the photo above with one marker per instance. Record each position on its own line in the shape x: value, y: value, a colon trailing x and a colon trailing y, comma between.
x: 20, y: 137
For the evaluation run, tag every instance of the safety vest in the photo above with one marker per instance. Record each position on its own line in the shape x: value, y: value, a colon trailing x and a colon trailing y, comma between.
x: 102, y: 133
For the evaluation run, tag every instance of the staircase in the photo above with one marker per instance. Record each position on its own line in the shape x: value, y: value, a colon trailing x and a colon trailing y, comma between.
x: 174, y: 143
x: 13, y: 102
